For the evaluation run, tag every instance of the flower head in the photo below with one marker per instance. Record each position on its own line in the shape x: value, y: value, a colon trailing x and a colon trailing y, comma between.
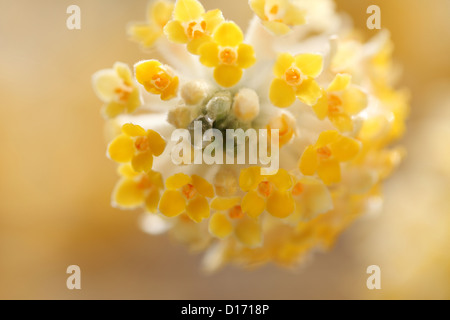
x: 117, y: 89
x: 192, y: 25
x: 295, y: 79
x: 157, y: 78
x: 278, y: 15
x: 158, y: 14
x: 137, y: 145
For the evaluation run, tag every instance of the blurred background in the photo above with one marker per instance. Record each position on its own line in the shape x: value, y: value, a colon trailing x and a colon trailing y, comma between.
x: 55, y: 181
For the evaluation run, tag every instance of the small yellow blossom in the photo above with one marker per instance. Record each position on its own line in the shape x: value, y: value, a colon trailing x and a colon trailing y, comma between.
x: 269, y: 193
x: 326, y: 155
x: 116, y: 88
x: 137, y: 145
x: 286, y: 125
x: 157, y: 78
x: 341, y: 101
x: 136, y: 189
x: 186, y: 194
x: 158, y: 14
x: 295, y: 77
x: 227, y: 54
x: 278, y: 15
x: 192, y: 25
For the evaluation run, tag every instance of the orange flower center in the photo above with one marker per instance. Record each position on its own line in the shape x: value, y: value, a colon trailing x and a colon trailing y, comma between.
x: 334, y: 103
x: 236, y: 212
x: 123, y: 93
x: 142, y: 144
x: 265, y: 188
x: 196, y: 29
x: 161, y: 80
x: 145, y: 183
x: 228, y: 56
x: 274, y: 10
x: 324, y: 153
x: 189, y: 191
x: 298, y: 189
x: 293, y: 76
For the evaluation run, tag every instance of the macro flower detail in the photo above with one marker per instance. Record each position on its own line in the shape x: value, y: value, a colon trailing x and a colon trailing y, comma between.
x: 295, y: 78
x: 117, y: 89
x: 147, y: 33
x: 186, y: 194
x: 326, y: 156
x: 138, y: 146
x: 137, y: 189
x: 269, y: 193
x: 253, y: 147
x: 278, y: 15
x: 191, y: 25
x: 340, y: 101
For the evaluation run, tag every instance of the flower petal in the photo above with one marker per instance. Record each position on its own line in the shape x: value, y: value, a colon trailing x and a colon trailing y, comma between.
x: 309, y: 92
x: 327, y: 137
x: 223, y: 204
x: 278, y: 28
x: 188, y: 10
x: 248, y: 232
x: 194, y: 45
x: 198, y: 209
x: 321, y: 107
x: 213, y: 19
x: 175, y: 32
x: 354, y: 100
x: 281, y: 94
x: 294, y: 15
x: 280, y: 204
x: 177, y: 181
x: 340, y: 82
x: 282, y: 180
x: 309, y: 161
x: 342, y: 121
x: 246, y: 56
x: 105, y: 82
x: 220, y: 226
x: 345, y: 149
x: 133, y: 130
x: 121, y: 149
x: 228, y: 34
x: 128, y: 195
x: 253, y: 204
x: 309, y: 64
x: 329, y: 171
x: 156, y: 142
x: 258, y: 7
x: 113, y: 109
x: 124, y: 72
x: 145, y: 70
x: 284, y: 61
x: 172, y: 203
x: 209, y: 54
x: 161, y: 12
x: 143, y: 162
x: 227, y: 76
x: 249, y: 178
x: 152, y: 201
x: 202, y: 186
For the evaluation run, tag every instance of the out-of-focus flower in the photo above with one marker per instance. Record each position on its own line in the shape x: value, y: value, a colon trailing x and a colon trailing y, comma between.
x: 137, y: 189
x: 157, y: 78
x: 340, y: 101
x: 188, y: 195
x: 325, y: 156
x: 117, y: 89
x: 278, y: 15
x: 137, y: 145
x: 192, y: 25
x: 227, y: 54
x: 295, y: 78
x: 147, y: 33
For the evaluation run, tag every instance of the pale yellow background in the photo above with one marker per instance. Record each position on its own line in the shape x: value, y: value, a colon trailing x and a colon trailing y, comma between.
x: 55, y: 180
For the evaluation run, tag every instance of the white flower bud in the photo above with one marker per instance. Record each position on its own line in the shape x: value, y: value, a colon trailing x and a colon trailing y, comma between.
x: 246, y: 105
x: 194, y: 92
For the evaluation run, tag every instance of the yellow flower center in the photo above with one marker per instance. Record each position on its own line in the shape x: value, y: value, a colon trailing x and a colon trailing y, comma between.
x: 196, y: 29
x: 142, y: 144
x: 228, y: 56
x: 293, y: 76
x: 123, y: 93
x: 265, y: 188
x: 324, y: 153
x: 334, y: 103
x: 236, y: 212
x: 145, y: 183
x: 161, y: 80
x: 189, y: 191
x: 298, y: 189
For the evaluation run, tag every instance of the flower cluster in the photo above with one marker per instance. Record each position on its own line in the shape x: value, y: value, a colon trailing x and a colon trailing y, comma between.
x: 331, y: 97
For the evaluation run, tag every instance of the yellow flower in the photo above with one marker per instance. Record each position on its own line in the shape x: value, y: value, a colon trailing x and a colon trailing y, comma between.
x: 278, y: 15
x: 158, y: 14
x: 227, y: 54
x: 286, y: 125
x: 192, y: 25
x: 186, y: 194
x: 341, y: 101
x: 295, y: 78
x: 136, y: 189
x: 269, y: 193
x: 137, y: 145
x: 116, y: 88
x: 326, y: 155
x: 157, y: 78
